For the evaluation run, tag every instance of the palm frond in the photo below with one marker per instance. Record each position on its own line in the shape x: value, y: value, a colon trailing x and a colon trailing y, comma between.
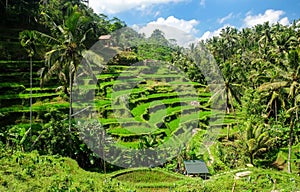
x: 272, y: 86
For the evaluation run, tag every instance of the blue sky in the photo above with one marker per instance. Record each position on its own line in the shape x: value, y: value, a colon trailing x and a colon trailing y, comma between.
x: 200, y: 18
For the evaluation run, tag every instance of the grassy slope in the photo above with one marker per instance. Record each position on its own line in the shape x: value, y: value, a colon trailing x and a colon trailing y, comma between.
x: 32, y: 172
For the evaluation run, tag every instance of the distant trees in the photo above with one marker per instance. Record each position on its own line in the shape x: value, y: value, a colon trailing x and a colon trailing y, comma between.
x: 16, y: 12
x: 263, y: 60
x: 158, y: 36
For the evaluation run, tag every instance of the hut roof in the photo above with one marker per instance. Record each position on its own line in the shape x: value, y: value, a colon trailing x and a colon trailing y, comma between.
x: 104, y: 37
x: 195, y: 167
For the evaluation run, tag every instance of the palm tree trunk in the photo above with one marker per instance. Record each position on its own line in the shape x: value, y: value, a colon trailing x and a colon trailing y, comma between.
x: 30, y: 92
x: 30, y: 107
x: 290, y: 144
x: 227, y: 102
x: 66, y: 90
x: 70, y: 99
x: 228, y: 131
x: 251, y: 158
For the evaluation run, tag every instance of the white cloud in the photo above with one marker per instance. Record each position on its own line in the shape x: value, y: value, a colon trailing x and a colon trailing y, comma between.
x: 223, y: 19
x: 210, y: 34
x: 181, y: 24
x: 202, y: 3
x: 180, y: 30
x: 116, y: 6
x: 136, y: 27
x: 270, y: 15
x: 284, y: 21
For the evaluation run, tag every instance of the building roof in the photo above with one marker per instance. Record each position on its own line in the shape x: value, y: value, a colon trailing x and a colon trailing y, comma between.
x: 104, y: 37
x: 195, y: 167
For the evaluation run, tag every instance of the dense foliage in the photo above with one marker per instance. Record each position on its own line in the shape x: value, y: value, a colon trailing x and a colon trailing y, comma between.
x: 260, y: 66
x: 261, y: 72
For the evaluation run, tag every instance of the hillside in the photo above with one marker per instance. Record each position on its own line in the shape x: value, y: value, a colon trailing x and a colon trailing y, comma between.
x: 32, y: 172
x: 124, y: 113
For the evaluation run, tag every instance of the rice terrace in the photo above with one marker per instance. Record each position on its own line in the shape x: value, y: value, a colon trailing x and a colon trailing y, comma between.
x: 89, y: 103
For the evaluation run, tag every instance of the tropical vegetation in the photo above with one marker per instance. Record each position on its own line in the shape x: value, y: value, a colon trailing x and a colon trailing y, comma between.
x: 147, y: 92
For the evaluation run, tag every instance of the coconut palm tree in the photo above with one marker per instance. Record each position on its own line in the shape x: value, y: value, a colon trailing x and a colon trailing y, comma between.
x: 232, y: 89
x: 286, y: 91
x: 292, y: 76
x: 27, y: 41
x: 229, y: 39
x: 64, y: 57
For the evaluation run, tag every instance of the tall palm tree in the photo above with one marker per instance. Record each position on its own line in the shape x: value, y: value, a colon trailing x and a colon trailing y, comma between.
x: 292, y: 76
x: 27, y: 41
x: 229, y: 40
x: 67, y: 46
x: 265, y: 42
x: 286, y: 90
x: 232, y: 89
x: 246, y: 39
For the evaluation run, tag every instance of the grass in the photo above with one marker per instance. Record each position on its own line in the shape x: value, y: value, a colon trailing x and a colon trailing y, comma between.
x: 38, y: 106
x: 186, y: 118
x: 22, y: 108
x: 10, y: 85
x: 155, y: 179
x: 119, y: 93
x: 159, y: 96
x: 27, y: 96
x: 145, y: 179
x: 140, y: 109
x: 157, y: 117
x: 148, y: 176
x: 131, y: 132
x: 259, y: 180
x: 33, y: 172
x: 119, y: 131
x: 25, y: 62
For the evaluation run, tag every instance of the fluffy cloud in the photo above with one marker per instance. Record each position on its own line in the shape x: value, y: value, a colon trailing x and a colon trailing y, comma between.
x: 180, y: 30
x: 210, y: 34
x: 284, y: 21
x: 223, y: 19
x: 184, y: 25
x: 116, y: 6
x: 270, y: 15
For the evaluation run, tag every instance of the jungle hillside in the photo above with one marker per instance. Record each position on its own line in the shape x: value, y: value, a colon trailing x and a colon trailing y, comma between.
x: 73, y: 81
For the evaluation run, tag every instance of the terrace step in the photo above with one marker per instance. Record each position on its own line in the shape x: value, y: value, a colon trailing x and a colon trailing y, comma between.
x: 23, y: 99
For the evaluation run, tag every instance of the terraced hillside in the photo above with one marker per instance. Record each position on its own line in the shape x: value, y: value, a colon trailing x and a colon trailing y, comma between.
x: 134, y: 101
x: 15, y: 84
x: 147, y: 100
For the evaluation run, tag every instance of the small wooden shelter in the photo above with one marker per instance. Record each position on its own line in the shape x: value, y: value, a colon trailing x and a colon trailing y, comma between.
x: 106, y: 39
x: 196, y: 167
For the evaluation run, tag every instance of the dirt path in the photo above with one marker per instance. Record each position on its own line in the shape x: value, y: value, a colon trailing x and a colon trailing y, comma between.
x: 212, y: 159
